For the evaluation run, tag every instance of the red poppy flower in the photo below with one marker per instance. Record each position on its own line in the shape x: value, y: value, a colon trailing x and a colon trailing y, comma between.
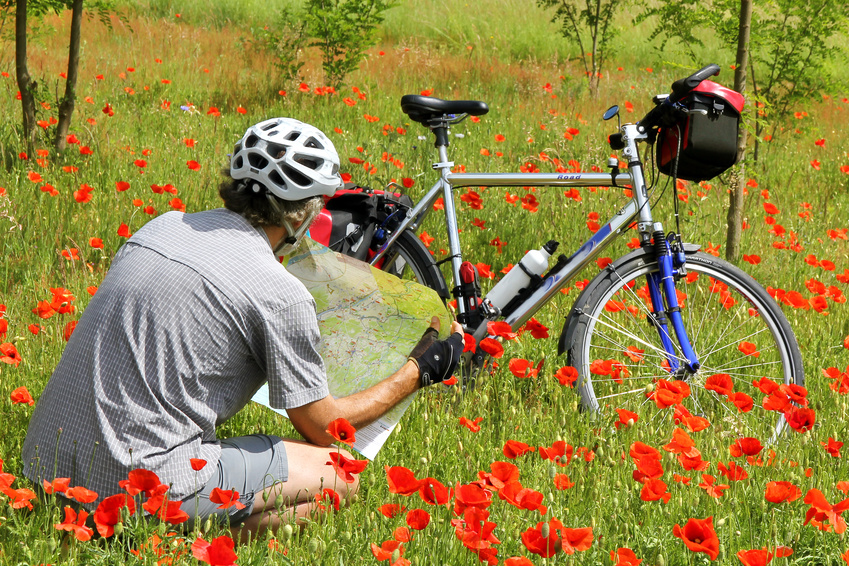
x: 492, y: 347
x: 680, y: 443
x: 800, y: 419
x: 197, y: 463
x: 469, y: 344
x: 536, y: 328
x: 544, y: 538
x: 193, y: 165
x: 81, y: 494
x: 576, y: 539
x: 391, y: 509
x: 75, y: 523
x: 346, y: 468
x: 699, y: 536
x: 328, y: 496
x: 219, y: 552
x: 566, y: 376
x: 226, y: 498
x: 513, y: 449
x: 22, y: 395
x: 712, y: 489
x: 140, y: 481
x: 624, y: 557
x: 821, y: 510
x: 418, y: 519
x: 522, y: 368
x: 473, y: 426
x: 626, y: 418
x: 754, y: 557
x: 557, y: 452
x: 58, y: 485
x: 743, y: 402
x: 733, y: 472
x: 342, y: 431
x: 781, y: 491
x: 385, y: 550
x: 433, y: 492
x: 108, y: 513
x: 832, y: 447
x: 401, y: 480
x: 746, y: 446
x: 694, y: 423
x: 655, y: 490
x: 721, y: 383
x: 124, y: 231
x: 470, y: 495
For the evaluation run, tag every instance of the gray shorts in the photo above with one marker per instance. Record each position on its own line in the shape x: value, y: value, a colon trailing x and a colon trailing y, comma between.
x: 248, y: 464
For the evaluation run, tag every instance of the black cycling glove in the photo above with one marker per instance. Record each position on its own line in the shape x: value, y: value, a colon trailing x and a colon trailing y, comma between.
x: 439, y: 359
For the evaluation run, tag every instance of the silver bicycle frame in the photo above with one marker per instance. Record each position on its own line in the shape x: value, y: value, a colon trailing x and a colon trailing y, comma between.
x: 638, y: 208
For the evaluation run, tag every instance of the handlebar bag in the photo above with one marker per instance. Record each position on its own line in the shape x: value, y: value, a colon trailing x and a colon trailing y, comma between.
x: 702, y: 142
x: 354, y: 221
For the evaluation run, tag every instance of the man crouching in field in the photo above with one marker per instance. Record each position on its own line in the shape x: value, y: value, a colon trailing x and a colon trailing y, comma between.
x: 195, y: 314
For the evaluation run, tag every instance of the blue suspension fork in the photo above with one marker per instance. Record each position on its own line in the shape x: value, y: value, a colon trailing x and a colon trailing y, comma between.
x: 662, y: 284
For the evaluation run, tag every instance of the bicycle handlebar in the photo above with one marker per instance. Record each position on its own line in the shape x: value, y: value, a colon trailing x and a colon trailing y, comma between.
x: 680, y: 89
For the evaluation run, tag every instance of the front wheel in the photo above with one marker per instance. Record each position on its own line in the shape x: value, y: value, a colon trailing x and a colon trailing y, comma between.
x: 409, y: 258
x: 736, y: 329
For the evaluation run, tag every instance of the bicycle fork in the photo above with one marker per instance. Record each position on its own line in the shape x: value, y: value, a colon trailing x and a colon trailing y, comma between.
x: 661, y: 285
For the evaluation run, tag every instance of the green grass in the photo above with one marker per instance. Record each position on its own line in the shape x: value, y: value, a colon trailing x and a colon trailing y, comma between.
x: 206, y: 65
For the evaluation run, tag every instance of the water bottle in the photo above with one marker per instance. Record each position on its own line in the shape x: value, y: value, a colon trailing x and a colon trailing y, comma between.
x: 535, y: 262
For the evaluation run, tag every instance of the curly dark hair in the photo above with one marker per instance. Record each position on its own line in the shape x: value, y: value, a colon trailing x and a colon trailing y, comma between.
x: 240, y: 197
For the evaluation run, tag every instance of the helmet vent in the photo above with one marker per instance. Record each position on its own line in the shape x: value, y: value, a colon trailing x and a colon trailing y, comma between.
x: 239, y: 163
x: 269, y: 126
x: 296, y: 177
x: 310, y: 162
x: 257, y: 161
x: 275, y: 178
x: 251, y: 141
x: 275, y: 151
x: 313, y: 143
x: 293, y: 135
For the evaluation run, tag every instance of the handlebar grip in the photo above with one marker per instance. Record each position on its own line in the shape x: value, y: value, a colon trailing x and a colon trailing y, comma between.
x: 682, y: 87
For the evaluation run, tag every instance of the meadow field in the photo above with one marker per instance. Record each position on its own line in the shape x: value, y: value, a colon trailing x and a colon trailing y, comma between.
x: 162, y: 98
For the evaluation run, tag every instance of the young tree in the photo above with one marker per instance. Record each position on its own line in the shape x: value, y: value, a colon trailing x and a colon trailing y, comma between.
x: 788, y: 57
x: 343, y: 30
x: 738, y: 185
x: 591, y: 22
x: 28, y: 86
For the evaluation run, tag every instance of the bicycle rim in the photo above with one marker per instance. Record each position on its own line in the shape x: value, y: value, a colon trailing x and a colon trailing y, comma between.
x: 737, y: 330
x: 408, y: 258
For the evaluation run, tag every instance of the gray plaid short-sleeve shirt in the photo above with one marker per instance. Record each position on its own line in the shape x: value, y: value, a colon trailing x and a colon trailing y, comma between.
x: 195, y: 314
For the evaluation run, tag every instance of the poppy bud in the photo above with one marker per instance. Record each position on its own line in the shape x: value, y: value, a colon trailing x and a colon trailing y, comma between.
x: 118, y: 528
x: 163, y: 527
x: 599, y: 451
x: 545, y: 530
x: 286, y: 533
x: 279, y: 501
x: 661, y: 561
x: 207, y: 526
x: 649, y: 388
x: 552, y: 471
x: 484, y: 399
x: 720, y: 522
x: 396, y: 554
x: 346, y: 536
x: 313, y: 545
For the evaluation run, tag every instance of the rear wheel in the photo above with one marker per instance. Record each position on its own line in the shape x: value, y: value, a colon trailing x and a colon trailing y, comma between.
x: 736, y: 329
x: 409, y: 258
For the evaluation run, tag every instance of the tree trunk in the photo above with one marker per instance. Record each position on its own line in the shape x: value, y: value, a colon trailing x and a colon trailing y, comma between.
x: 25, y: 83
x: 735, y: 208
x: 66, y: 107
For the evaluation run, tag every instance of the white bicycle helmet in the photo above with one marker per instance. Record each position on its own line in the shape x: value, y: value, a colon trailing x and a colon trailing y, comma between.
x: 291, y: 159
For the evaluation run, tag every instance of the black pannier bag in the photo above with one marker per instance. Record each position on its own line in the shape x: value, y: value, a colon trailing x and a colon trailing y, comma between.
x: 706, y: 135
x: 355, y: 220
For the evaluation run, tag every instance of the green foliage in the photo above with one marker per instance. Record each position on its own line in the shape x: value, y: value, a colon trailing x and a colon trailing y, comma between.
x: 343, y: 30
x: 284, y: 41
x: 791, y: 44
x: 589, y: 25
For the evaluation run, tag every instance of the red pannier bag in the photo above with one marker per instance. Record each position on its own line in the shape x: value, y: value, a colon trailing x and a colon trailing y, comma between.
x: 355, y: 221
x: 702, y: 143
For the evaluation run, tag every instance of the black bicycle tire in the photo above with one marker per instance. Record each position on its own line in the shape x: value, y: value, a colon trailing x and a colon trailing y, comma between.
x: 581, y: 325
x: 412, y: 251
